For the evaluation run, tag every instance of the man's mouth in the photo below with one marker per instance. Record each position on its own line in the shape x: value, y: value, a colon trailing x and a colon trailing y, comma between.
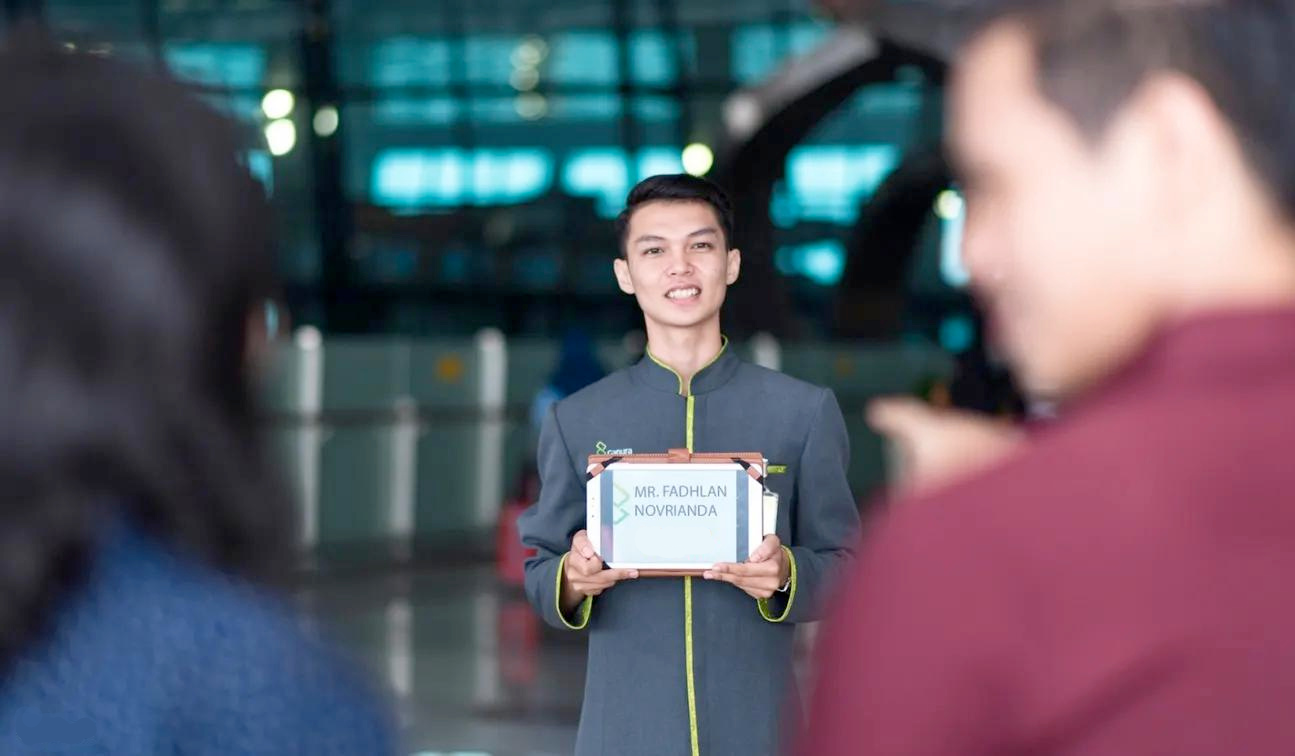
x: 687, y: 292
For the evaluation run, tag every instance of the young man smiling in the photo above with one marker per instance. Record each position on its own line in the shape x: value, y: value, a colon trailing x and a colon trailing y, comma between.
x: 679, y: 666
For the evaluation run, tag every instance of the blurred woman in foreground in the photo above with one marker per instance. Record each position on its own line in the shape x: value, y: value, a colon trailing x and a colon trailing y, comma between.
x: 137, y: 514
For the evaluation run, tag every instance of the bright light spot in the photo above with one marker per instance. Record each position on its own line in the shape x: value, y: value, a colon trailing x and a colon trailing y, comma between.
x: 949, y: 205
x: 698, y: 159
x: 524, y: 79
x: 530, y: 53
x: 532, y: 106
x: 327, y: 120
x: 308, y: 338
x: 281, y: 136
x: 278, y: 103
x: 742, y: 114
x: 952, y: 269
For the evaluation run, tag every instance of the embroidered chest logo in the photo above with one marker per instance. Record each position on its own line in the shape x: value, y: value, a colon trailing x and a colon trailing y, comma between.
x: 601, y: 448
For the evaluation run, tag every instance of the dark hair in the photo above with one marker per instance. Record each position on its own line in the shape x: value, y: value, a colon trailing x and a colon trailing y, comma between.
x: 1093, y: 54
x: 678, y: 187
x: 135, y: 247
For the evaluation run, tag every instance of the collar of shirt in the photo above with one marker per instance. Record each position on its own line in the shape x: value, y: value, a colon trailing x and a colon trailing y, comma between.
x: 1226, y: 347
x: 657, y: 375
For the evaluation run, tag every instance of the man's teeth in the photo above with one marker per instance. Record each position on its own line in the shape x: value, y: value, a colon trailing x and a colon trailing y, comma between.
x: 683, y: 293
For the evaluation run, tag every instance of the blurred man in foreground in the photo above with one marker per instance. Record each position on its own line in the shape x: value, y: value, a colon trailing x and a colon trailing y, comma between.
x: 1118, y: 582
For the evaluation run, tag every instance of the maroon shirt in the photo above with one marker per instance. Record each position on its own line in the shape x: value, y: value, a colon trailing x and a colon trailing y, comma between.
x: 1124, y: 587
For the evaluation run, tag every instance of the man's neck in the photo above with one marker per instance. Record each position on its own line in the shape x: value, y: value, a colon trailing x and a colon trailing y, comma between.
x: 685, y: 350
x: 1264, y: 277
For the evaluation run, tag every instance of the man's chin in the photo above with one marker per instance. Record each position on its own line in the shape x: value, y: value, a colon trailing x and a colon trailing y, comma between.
x: 674, y: 320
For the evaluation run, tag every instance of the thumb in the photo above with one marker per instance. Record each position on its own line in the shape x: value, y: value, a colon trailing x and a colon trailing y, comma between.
x: 766, y: 550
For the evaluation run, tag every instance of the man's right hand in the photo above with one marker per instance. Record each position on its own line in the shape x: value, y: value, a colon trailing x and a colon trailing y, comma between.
x: 584, y: 575
x: 938, y: 446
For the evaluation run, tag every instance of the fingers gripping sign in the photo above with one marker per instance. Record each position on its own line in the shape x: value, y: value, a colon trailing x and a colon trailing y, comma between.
x: 585, y: 572
x: 760, y: 576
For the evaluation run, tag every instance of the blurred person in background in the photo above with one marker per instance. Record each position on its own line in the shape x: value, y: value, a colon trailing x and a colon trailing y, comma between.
x: 578, y: 366
x: 139, y: 521
x: 1117, y: 581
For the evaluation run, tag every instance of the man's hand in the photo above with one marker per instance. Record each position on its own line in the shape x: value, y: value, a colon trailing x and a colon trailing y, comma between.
x: 584, y: 575
x: 937, y: 446
x: 760, y: 576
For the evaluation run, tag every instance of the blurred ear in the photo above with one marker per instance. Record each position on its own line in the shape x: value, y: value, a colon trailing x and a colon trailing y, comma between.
x: 734, y: 265
x: 621, y: 268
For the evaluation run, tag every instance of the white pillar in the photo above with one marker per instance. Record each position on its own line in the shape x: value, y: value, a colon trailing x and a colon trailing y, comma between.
x: 404, y: 465
x: 309, y: 407
x: 492, y: 395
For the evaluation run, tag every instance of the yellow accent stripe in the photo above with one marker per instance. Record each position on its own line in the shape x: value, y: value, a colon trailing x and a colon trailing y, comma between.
x: 688, y: 422
x: 685, y: 390
x: 692, y: 687
x: 585, y: 608
x: 763, y: 604
x: 693, y: 734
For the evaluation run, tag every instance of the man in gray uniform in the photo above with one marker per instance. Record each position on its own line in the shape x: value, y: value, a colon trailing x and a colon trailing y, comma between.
x: 683, y: 666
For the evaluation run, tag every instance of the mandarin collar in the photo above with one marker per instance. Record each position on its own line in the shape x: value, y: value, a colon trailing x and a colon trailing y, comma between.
x: 655, y: 374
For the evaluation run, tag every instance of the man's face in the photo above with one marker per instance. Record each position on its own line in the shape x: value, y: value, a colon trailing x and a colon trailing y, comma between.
x: 677, y: 264
x: 1056, y: 224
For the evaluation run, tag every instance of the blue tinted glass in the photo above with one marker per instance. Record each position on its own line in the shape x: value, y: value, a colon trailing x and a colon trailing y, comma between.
x: 403, y: 111
x: 822, y: 262
x: 450, y: 177
x: 403, y: 61
x: 217, y: 64
x: 654, y: 161
x: 593, y: 107
x: 758, y: 49
x: 828, y: 183
x: 582, y: 57
x: 601, y: 173
x: 489, y: 57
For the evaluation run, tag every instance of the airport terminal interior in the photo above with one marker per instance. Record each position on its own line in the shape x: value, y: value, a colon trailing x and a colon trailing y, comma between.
x: 446, y: 175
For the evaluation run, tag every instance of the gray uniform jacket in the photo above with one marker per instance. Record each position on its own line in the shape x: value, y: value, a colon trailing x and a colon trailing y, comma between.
x: 684, y: 666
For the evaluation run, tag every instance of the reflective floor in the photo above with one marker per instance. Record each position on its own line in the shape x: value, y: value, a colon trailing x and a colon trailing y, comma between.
x: 472, y: 669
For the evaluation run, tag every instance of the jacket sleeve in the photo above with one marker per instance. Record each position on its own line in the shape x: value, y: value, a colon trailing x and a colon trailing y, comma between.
x: 549, y: 524
x: 824, y: 523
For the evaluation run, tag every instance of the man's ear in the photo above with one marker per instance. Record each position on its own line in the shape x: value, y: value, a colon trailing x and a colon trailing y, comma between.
x: 734, y: 265
x: 621, y: 268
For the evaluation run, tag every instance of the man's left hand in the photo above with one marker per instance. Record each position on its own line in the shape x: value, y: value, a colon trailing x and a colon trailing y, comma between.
x: 760, y: 576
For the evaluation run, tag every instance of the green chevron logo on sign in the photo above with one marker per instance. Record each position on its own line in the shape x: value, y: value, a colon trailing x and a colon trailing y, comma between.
x: 600, y: 448
x: 619, y: 503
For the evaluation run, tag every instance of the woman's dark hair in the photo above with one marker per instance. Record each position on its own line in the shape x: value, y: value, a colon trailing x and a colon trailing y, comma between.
x: 134, y: 246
